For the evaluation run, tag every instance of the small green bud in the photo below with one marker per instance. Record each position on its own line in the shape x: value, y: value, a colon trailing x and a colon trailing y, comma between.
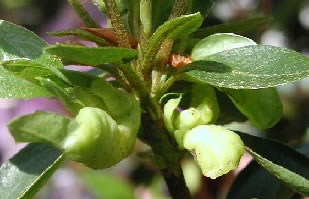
x: 205, y: 101
x: 170, y: 113
x: 216, y: 149
x: 188, y: 119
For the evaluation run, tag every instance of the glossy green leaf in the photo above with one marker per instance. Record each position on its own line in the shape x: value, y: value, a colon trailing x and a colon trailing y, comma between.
x: 174, y: 29
x: 262, y: 107
x: 15, y: 87
x: 107, y: 186
x: 29, y: 70
x: 289, y: 166
x: 250, y: 67
x: 36, y: 128
x: 238, y: 27
x: 217, y: 43
x: 26, y: 69
x: 92, y: 56
x: 74, y: 97
x: 228, y: 111
x: 254, y: 104
x: 161, y: 10
x: 34, y: 73
x: 65, y: 94
x: 24, y: 175
x: 17, y: 42
x: 81, y: 79
x: 81, y: 34
x: 202, y: 6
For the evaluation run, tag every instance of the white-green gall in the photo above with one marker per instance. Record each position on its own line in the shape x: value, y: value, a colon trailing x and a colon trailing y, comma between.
x: 99, y: 142
x: 216, y: 149
x: 91, y: 142
x: 105, y: 137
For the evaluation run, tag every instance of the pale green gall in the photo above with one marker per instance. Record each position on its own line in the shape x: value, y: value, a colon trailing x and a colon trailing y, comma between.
x: 216, y: 149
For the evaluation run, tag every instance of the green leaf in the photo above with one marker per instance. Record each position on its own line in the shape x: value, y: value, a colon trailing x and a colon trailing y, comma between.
x: 80, y: 79
x: 12, y: 86
x: 36, y: 128
x: 92, y: 56
x: 262, y: 107
x: 24, y: 175
x: 256, y: 182
x: 286, y: 164
x: 81, y: 34
x: 175, y: 29
x: 29, y: 70
x: 228, y: 112
x: 202, y: 6
x: 217, y: 43
x: 17, y: 42
x: 107, y: 186
x: 83, y: 13
x: 26, y: 69
x: 73, y: 97
x: 172, y: 29
x: 36, y: 73
x: 66, y: 95
x: 250, y: 67
x: 161, y: 10
x: 238, y: 27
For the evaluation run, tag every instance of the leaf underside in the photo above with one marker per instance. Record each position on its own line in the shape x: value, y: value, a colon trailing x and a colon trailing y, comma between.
x: 289, y: 166
x: 24, y: 174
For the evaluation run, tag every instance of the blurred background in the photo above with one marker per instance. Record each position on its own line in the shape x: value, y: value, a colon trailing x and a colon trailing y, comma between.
x: 135, y: 177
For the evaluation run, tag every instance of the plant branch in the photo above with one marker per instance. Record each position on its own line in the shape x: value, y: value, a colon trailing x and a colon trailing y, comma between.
x: 146, y: 16
x: 84, y: 15
x: 167, y: 156
x: 139, y: 86
x: 179, y: 8
x: 117, y: 23
x: 146, y: 25
x: 158, y: 75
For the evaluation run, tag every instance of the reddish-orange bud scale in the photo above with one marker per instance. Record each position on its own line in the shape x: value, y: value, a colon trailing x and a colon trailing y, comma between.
x: 109, y: 35
x: 178, y: 61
